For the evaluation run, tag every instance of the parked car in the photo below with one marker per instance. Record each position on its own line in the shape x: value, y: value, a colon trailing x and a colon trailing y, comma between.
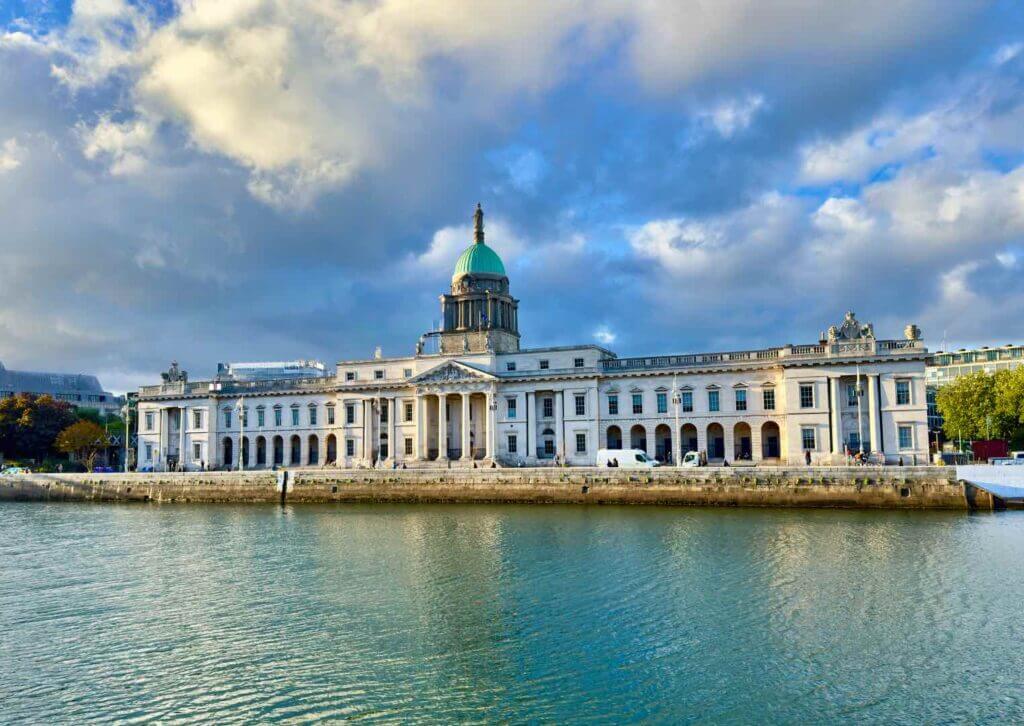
x: 15, y: 471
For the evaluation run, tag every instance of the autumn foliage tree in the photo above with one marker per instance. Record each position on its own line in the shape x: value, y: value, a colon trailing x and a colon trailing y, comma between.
x: 85, y: 440
x: 29, y: 425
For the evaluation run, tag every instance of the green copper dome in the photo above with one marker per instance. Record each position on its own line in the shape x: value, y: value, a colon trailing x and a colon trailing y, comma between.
x: 478, y: 258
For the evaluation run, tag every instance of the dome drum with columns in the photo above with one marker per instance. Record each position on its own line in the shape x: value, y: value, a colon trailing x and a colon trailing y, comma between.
x: 479, y: 315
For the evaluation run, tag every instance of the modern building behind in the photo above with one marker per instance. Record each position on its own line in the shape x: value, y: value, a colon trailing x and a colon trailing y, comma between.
x: 78, y: 389
x: 270, y: 371
x: 471, y: 395
x: 946, y: 367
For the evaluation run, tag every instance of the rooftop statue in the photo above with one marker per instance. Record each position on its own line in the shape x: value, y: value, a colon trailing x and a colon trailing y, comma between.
x: 174, y: 374
x: 851, y: 329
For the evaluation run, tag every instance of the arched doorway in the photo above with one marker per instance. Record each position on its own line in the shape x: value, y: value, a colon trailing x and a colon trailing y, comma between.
x: 547, y: 444
x: 332, y: 449
x: 716, y: 441
x: 771, y: 447
x: 314, y: 450
x: 662, y: 443
x: 295, y: 455
x: 614, y: 437
x: 638, y: 438
x: 227, y: 452
x: 245, y: 451
x: 261, y: 451
x: 688, y: 438
x: 742, y: 446
x: 278, y: 451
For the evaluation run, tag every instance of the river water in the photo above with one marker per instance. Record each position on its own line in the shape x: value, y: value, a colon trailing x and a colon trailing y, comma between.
x: 440, y: 613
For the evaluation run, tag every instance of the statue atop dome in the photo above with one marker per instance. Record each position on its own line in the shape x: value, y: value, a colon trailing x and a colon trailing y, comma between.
x: 478, y: 224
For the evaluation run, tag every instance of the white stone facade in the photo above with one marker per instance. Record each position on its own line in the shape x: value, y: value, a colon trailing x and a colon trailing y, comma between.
x: 555, y: 404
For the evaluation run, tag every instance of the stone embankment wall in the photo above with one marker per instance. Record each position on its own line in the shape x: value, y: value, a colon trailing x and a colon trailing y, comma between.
x: 861, y: 487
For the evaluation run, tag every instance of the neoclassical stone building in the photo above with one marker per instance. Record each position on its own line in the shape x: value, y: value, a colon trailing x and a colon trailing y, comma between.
x: 470, y: 396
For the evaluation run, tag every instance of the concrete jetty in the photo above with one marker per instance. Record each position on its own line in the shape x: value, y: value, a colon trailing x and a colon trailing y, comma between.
x: 848, y: 487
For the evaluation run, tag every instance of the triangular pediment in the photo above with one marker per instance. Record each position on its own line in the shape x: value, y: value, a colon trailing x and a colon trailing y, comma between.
x: 451, y: 371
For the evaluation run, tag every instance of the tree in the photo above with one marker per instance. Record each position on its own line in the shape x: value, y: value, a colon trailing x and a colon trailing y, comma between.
x: 85, y: 440
x: 968, y: 406
x: 29, y: 424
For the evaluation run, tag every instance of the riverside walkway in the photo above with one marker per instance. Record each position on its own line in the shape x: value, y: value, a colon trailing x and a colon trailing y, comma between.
x: 1004, y: 482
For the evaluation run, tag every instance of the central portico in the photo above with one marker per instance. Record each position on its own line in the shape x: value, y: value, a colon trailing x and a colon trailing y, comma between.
x: 455, y: 402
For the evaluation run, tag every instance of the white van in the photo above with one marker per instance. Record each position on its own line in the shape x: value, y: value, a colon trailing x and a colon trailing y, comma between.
x: 691, y: 459
x: 625, y: 459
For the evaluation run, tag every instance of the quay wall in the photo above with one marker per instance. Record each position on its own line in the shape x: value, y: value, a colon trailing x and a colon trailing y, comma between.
x: 848, y: 487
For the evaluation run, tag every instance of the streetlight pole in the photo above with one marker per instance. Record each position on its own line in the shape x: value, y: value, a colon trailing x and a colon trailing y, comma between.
x: 491, y: 439
x: 677, y: 449
x: 126, y: 411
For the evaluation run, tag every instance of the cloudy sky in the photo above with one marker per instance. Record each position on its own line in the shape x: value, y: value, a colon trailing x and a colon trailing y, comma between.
x: 213, y: 180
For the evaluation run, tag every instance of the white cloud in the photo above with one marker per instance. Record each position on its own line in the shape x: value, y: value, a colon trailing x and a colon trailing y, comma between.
x: 733, y: 116
x: 125, y: 145
x: 604, y: 335
x: 12, y: 154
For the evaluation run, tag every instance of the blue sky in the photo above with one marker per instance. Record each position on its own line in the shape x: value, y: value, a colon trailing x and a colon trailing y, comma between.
x: 266, y: 179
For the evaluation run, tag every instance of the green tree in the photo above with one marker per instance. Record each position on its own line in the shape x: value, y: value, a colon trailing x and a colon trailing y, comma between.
x: 85, y: 440
x: 968, y: 407
x: 29, y: 425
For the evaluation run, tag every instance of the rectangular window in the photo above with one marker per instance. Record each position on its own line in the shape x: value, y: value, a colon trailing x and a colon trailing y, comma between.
x: 807, y: 439
x: 577, y: 363
x: 769, y: 399
x: 513, y: 444
x: 330, y: 415
x: 277, y: 416
x: 662, y: 403
x: 260, y: 417
x: 549, y: 447
x: 408, y: 412
x: 581, y: 443
x: 613, y: 405
x: 851, y: 395
x: 408, y: 446
x: 383, y: 411
x: 227, y: 419
x: 149, y: 452
x: 197, y: 452
x: 806, y: 395
x: 378, y: 375
x: 245, y: 418
x: 407, y: 373
x: 581, y: 405
x: 295, y: 416
x: 350, y: 375
x: 549, y: 407
x: 510, y: 408
x: 350, y: 414
x: 197, y: 419
x: 544, y: 365
x: 312, y: 415
x: 902, y: 393
x: 687, y: 401
x: 906, y: 434
x: 713, y: 401
x: 638, y: 403
x: 350, y: 447
x: 741, y: 400
x: 149, y: 420
x: 510, y: 365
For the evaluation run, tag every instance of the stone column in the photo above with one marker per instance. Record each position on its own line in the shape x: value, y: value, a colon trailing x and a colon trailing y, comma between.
x: 442, y: 429
x: 489, y: 418
x: 559, y: 424
x: 419, y: 450
x: 728, y: 436
x: 837, y: 437
x: 875, y: 442
x: 467, y: 451
x: 531, y: 424
x: 392, y: 440
x: 368, y: 429
x: 182, y: 419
